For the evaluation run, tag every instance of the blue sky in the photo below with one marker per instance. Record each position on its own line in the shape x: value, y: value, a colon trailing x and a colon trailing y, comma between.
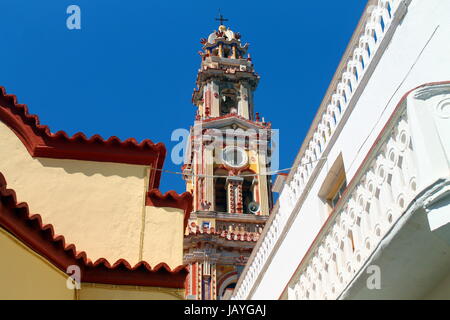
x: 131, y: 69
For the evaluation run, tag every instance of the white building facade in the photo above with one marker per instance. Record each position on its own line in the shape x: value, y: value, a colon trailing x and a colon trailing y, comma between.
x: 365, y: 211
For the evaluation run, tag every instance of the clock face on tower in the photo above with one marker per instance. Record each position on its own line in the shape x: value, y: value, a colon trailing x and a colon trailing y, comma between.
x: 234, y: 157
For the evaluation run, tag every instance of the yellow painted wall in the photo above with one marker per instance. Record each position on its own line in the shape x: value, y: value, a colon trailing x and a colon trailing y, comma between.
x: 26, y: 275
x: 98, y: 206
x: 163, y: 236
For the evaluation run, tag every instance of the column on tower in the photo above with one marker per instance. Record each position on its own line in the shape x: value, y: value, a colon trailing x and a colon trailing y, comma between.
x: 211, y: 102
x: 262, y: 184
x: 209, y: 279
x: 259, y: 155
x: 199, y: 280
x: 213, y: 282
x: 192, y: 283
x: 198, y: 174
x: 206, y: 280
x: 234, y: 189
x: 243, y: 105
x: 207, y: 98
x: 220, y: 50
x: 209, y: 176
x: 233, y: 55
x: 215, y: 101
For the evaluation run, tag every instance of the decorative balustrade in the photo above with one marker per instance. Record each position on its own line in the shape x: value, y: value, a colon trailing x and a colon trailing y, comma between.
x: 371, y: 205
x: 330, y: 117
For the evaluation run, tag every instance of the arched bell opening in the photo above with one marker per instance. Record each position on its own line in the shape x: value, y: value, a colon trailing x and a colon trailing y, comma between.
x: 227, y: 282
x: 220, y: 191
x: 248, y: 195
x: 228, y: 101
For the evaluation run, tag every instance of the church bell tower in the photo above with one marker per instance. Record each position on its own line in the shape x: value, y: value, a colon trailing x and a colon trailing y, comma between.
x: 226, y: 168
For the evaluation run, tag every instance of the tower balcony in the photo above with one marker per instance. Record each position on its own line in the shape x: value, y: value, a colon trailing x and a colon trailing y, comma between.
x: 228, y: 61
x: 225, y: 228
x: 230, y: 217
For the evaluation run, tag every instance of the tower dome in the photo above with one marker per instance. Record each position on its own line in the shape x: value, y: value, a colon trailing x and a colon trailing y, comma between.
x: 225, y: 39
x: 223, y: 33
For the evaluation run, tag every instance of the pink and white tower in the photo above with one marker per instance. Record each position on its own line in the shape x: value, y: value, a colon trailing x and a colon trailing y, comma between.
x: 226, y: 168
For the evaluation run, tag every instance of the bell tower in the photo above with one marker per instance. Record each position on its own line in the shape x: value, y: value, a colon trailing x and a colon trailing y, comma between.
x: 226, y: 168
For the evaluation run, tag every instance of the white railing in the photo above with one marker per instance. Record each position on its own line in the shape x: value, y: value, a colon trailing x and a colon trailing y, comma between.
x: 368, y: 210
x: 383, y: 15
